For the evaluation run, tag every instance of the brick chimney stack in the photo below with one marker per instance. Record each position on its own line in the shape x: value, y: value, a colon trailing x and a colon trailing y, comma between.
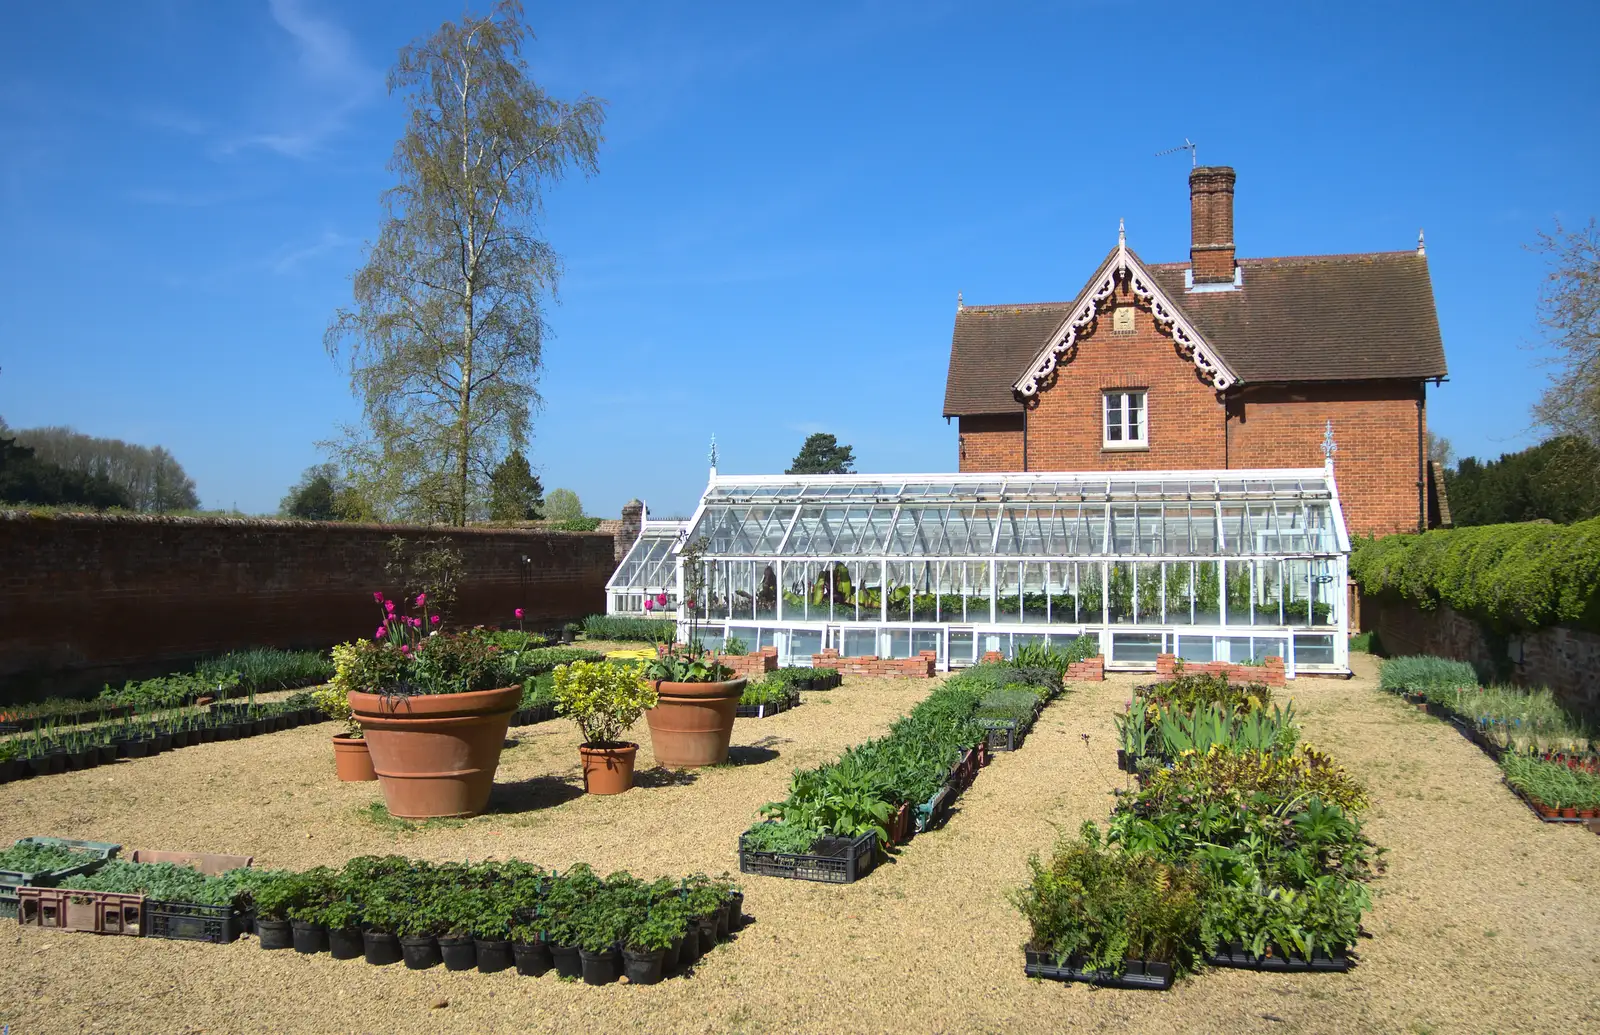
x: 1211, y: 220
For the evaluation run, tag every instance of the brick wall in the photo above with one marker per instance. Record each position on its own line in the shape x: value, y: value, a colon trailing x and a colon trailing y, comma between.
x: 753, y: 667
x: 86, y: 599
x: 1563, y: 658
x: 1374, y: 425
x: 1089, y: 670
x: 1272, y: 673
x: 920, y: 667
x: 990, y: 443
x: 1065, y: 432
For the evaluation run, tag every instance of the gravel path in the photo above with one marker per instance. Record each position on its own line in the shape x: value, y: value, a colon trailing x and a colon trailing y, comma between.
x: 1484, y: 921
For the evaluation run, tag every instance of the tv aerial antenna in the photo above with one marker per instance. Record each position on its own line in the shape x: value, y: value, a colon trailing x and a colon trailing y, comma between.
x: 1187, y: 145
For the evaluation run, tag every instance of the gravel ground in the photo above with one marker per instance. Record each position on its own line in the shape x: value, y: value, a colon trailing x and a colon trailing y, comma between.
x: 1484, y: 921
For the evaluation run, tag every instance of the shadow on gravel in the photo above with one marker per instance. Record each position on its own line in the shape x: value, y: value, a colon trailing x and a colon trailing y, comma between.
x: 661, y: 776
x: 539, y: 792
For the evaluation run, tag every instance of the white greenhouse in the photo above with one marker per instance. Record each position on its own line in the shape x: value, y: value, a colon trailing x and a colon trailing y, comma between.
x: 1209, y: 565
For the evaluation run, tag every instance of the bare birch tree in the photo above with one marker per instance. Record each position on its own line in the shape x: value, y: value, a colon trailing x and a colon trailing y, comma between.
x: 444, y: 339
x: 1569, y: 309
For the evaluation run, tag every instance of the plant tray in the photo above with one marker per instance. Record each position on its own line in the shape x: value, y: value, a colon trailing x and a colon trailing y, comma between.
x: 1235, y: 955
x: 11, y: 880
x: 190, y: 922
x: 534, y: 714
x: 70, y: 909
x: 1543, y: 818
x: 1136, y: 973
x: 208, y: 864
x: 765, y: 711
x: 832, y: 860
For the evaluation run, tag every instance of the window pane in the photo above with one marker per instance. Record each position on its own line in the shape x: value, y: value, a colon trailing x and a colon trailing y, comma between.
x: 1114, y: 417
x: 1135, y: 411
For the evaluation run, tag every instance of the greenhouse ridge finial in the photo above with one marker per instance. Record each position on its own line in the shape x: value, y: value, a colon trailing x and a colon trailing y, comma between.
x: 713, y: 453
x: 1422, y: 249
x: 960, y: 304
x: 1122, y: 232
x: 1329, y: 446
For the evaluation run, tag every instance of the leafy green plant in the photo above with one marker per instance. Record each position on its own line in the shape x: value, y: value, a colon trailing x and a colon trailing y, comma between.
x: 1094, y: 907
x: 34, y: 858
x: 604, y: 700
x: 642, y: 630
x: 1421, y: 673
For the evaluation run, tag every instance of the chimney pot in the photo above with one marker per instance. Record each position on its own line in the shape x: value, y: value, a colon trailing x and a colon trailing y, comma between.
x: 1211, y: 222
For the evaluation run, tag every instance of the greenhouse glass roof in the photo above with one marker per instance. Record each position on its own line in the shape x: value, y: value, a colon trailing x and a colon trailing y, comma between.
x: 650, y: 563
x: 1180, y: 514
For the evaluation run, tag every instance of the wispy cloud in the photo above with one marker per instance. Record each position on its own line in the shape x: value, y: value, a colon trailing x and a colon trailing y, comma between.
x: 332, y: 81
x: 292, y: 258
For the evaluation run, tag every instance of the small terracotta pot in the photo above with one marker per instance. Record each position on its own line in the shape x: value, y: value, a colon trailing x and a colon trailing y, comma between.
x: 692, y: 723
x: 1568, y: 812
x: 435, y: 754
x: 608, y: 770
x: 351, y: 760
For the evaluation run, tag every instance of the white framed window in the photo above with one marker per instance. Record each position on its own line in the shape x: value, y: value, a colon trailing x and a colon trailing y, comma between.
x: 1127, y: 420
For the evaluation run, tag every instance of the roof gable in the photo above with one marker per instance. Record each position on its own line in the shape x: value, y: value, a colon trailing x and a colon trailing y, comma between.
x: 1122, y: 266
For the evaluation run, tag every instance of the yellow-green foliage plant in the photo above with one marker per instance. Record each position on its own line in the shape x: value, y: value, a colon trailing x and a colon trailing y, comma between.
x: 603, y: 699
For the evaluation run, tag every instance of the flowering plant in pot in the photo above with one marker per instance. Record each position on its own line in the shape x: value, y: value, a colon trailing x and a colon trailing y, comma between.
x: 698, y: 697
x: 433, y: 710
x: 604, y: 700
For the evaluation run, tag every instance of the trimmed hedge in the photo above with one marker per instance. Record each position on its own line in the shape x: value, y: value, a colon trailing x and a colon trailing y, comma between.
x: 644, y: 630
x: 1513, y: 577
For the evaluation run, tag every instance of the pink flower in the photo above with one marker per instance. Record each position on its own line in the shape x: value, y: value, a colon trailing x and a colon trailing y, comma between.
x: 377, y: 596
x: 661, y: 600
x: 416, y: 623
x: 519, y: 612
x: 383, y: 631
x: 405, y: 650
x: 422, y: 598
x: 435, y: 619
x: 649, y: 605
x: 388, y: 605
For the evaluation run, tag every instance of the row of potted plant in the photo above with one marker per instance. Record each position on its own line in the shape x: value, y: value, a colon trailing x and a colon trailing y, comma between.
x: 838, y: 817
x: 1556, y: 790
x: 1194, y: 712
x: 490, y: 916
x: 1247, y: 853
x: 49, y: 749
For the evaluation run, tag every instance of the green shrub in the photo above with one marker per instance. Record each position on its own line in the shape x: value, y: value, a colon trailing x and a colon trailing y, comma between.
x: 577, y: 524
x: 1522, y: 576
x: 545, y: 659
x: 806, y: 678
x: 643, y: 630
x: 265, y: 669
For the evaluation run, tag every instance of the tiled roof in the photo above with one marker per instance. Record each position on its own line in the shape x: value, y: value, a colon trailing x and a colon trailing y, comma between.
x: 1303, y: 318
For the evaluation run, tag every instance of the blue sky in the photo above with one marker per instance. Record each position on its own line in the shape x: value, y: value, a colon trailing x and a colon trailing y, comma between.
x: 789, y: 199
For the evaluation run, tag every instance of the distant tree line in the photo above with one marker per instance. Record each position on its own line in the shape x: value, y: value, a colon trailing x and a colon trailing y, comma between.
x: 1557, y: 480
x: 61, y: 467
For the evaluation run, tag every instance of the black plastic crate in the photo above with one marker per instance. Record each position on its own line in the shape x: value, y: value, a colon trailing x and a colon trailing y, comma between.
x: 11, y: 880
x: 1138, y: 974
x: 832, y: 860
x: 1004, y: 734
x: 766, y: 711
x: 190, y: 922
x: 1236, y: 955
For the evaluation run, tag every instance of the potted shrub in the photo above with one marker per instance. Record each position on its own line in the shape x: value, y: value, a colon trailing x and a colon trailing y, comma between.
x: 430, y: 713
x: 697, y: 698
x: 600, y: 925
x: 644, y: 951
x: 529, y: 950
x: 273, y: 900
x: 604, y: 700
x: 351, y: 759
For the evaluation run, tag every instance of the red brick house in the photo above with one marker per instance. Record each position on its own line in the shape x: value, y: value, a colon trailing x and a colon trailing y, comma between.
x: 1218, y: 362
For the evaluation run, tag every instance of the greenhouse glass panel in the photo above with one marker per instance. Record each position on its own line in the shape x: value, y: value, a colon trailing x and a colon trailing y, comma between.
x: 1239, y: 561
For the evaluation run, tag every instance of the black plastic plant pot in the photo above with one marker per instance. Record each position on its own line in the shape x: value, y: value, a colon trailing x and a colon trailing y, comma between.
x: 565, y: 958
x: 707, y: 926
x: 108, y: 753
x: 420, y: 951
x: 55, y: 762
x: 275, y: 934
x: 459, y: 953
x: 723, y: 920
x: 673, y: 954
x: 599, y: 968
x: 135, y: 748
x: 180, y: 738
x: 163, y: 742
x: 532, y: 958
x: 641, y: 967
x: 494, y: 955
x: 735, y: 910
x: 380, y: 948
x: 85, y: 759
x: 228, y: 731
x: 345, y: 943
x: 309, y: 938
x: 207, y: 734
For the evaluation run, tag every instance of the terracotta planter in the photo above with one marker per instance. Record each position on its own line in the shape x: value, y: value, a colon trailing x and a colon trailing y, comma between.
x: 435, y: 754
x: 351, y: 760
x: 692, y: 722
x: 608, y: 770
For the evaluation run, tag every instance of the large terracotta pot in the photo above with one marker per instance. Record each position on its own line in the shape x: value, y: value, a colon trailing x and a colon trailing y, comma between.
x: 351, y: 760
x: 692, y: 722
x: 435, y: 754
x: 608, y: 770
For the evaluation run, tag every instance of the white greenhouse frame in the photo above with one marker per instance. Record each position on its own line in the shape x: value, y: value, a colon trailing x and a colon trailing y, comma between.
x: 1229, y: 565
x: 649, y: 569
